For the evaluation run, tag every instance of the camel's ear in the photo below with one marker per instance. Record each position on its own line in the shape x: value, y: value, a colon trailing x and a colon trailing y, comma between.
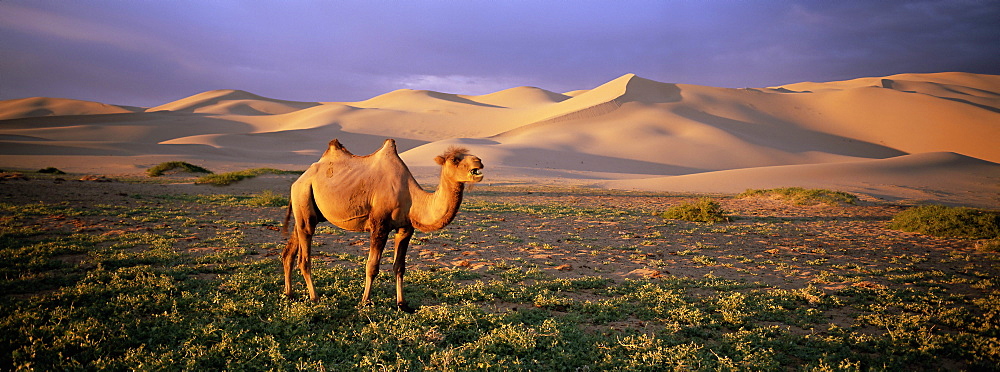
x: 439, y: 159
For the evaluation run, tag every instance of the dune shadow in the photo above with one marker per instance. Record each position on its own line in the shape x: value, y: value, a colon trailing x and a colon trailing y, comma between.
x: 556, y: 160
x: 891, y: 84
x: 649, y: 91
x: 781, y: 135
x: 457, y: 99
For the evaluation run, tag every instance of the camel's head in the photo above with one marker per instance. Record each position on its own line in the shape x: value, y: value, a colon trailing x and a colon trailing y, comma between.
x: 461, y: 166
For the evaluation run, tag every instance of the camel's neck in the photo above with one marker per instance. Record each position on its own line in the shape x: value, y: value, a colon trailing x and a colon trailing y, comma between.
x: 433, y: 211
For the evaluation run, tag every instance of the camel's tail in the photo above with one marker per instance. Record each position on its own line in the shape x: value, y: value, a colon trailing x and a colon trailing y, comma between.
x: 288, y: 217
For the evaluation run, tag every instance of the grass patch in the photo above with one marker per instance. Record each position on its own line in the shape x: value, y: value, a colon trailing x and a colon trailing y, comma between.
x: 176, y: 312
x: 949, y: 222
x: 704, y: 210
x: 223, y: 179
x: 163, y: 168
x: 266, y: 198
x: 802, y: 196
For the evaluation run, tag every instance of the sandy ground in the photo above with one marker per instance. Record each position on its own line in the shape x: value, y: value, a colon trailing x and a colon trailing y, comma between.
x: 561, y: 232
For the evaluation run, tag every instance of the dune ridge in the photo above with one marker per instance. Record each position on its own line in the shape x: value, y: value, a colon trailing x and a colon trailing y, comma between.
x: 879, y: 135
x: 520, y: 97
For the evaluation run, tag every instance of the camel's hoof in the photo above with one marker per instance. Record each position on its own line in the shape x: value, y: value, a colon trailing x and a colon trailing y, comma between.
x: 406, y: 308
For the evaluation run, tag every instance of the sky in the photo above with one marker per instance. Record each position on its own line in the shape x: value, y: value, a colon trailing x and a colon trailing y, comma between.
x: 146, y: 53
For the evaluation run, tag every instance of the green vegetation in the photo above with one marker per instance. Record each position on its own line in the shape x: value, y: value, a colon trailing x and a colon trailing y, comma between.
x: 163, y: 168
x: 803, y: 196
x: 223, y: 179
x: 704, y: 210
x: 177, y: 283
x: 952, y: 222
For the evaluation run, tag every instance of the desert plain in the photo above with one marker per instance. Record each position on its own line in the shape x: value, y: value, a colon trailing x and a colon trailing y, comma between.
x: 559, y: 260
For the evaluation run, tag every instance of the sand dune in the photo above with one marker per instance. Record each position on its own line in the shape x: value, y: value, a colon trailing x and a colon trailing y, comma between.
x: 715, y: 129
x: 43, y: 106
x: 942, y: 177
x: 232, y: 102
x: 906, y: 136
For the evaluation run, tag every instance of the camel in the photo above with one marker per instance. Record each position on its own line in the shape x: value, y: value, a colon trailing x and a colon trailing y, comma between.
x: 374, y: 193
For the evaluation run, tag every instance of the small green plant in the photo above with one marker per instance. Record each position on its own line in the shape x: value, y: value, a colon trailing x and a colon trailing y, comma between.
x: 51, y: 170
x: 163, y: 168
x: 704, y: 210
x: 952, y: 222
x: 224, y: 179
x: 802, y: 196
x: 989, y: 245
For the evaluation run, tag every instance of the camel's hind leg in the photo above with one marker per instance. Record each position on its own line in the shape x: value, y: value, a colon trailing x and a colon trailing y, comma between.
x: 297, y: 251
x: 304, y: 215
x: 288, y: 256
x: 303, y: 235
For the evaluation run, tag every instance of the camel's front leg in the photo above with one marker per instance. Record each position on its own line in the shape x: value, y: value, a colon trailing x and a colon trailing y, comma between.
x: 399, y: 265
x: 380, y: 234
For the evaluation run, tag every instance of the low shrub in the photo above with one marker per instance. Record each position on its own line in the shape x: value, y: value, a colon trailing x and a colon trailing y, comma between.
x: 268, y: 198
x: 950, y: 222
x: 224, y: 179
x: 51, y: 170
x: 163, y: 168
x: 803, y: 196
x: 704, y: 210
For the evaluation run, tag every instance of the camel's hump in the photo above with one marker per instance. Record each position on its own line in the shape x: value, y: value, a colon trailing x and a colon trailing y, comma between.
x: 336, y: 149
x: 388, y: 147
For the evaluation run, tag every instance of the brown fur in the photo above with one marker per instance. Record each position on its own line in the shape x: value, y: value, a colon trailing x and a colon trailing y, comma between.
x: 374, y: 193
x: 453, y: 153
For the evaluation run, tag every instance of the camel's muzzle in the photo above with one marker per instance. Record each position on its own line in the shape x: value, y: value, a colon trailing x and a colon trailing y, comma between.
x: 477, y: 174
